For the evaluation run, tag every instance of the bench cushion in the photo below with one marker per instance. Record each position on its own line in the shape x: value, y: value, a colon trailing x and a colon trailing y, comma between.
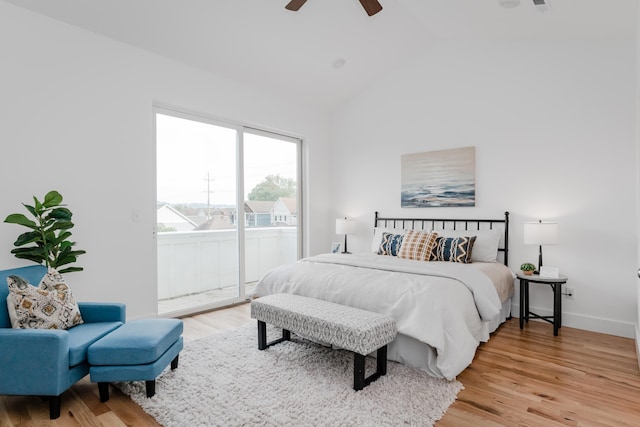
x: 346, y: 327
x: 136, y: 343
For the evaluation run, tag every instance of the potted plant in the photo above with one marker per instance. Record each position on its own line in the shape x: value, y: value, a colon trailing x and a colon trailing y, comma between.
x: 527, y: 268
x: 48, y: 241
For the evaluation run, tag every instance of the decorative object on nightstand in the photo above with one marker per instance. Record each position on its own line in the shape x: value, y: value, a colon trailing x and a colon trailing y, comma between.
x: 556, y: 286
x: 345, y: 226
x: 527, y: 268
x: 540, y: 233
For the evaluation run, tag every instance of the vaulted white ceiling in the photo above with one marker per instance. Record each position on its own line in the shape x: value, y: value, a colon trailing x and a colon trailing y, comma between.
x: 261, y: 44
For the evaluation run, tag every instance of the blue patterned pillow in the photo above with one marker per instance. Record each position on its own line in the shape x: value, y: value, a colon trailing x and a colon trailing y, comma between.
x: 390, y: 244
x: 453, y: 249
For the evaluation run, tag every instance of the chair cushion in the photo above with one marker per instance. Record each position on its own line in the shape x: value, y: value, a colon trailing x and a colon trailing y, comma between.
x: 135, y: 343
x: 82, y: 336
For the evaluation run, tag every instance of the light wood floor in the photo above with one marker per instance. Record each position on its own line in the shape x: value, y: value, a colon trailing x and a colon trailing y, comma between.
x: 524, y: 378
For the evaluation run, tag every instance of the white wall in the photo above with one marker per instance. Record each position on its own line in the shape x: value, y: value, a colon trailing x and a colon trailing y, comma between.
x: 76, y: 116
x: 638, y: 190
x: 553, y: 123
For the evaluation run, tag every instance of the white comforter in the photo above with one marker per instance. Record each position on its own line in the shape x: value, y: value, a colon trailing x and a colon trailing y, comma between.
x: 441, y: 304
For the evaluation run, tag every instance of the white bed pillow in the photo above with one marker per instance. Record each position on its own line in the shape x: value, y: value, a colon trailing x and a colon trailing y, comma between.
x: 485, y: 248
x: 377, y: 236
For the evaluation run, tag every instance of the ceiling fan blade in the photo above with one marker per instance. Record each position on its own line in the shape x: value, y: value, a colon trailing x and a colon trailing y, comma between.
x: 371, y: 6
x: 295, y: 4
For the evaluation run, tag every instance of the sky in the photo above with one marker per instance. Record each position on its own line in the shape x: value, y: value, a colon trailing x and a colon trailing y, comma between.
x: 188, y: 151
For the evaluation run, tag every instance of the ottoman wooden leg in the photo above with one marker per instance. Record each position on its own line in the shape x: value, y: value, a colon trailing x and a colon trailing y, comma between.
x: 151, y: 387
x: 103, y: 389
x: 174, y: 362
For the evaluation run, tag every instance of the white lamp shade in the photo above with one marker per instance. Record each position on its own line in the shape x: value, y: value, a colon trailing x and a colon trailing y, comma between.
x: 540, y: 233
x: 345, y: 226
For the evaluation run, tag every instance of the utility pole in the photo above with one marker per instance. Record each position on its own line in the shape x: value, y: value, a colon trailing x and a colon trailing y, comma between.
x: 209, y: 192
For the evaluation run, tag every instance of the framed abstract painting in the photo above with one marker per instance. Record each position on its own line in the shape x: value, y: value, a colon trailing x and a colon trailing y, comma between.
x: 441, y: 178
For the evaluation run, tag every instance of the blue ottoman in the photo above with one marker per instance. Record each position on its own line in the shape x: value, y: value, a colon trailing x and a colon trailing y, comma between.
x: 137, y: 351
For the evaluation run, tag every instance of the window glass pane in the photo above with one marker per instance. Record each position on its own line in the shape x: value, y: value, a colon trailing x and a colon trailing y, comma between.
x: 271, y: 204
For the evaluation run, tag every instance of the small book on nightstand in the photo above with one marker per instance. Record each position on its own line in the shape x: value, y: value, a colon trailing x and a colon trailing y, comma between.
x: 550, y: 272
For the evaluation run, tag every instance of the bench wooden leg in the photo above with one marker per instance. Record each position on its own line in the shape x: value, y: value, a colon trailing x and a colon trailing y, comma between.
x: 262, y: 336
x: 359, y: 380
x: 358, y: 372
x: 382, y: 360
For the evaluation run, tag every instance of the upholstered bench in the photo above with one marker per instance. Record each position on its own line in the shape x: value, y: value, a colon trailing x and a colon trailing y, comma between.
x: 137, y: 351
x: 353, y: 329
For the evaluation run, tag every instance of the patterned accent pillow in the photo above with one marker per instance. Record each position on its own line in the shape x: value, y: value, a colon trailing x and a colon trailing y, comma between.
x: 418, y: 245
x: 49, y: 306
x: 390, y: 244
x: 453, y: 249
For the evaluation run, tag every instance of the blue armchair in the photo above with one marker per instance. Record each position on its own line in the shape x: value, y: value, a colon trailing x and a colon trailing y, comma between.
x: 46, y: 362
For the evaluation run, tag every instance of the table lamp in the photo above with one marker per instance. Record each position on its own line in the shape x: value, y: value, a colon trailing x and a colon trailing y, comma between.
x: 345, y: 226
x: 540, y: 233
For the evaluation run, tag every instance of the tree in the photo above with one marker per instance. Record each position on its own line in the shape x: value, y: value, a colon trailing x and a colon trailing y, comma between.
x: 273, y: 187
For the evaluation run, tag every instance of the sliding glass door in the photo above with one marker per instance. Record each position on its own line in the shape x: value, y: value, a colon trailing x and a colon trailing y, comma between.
x: 227, y: 209
x: 272, y: 213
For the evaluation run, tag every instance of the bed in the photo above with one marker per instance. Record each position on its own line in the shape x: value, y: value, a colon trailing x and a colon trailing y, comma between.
x: 445, y: 281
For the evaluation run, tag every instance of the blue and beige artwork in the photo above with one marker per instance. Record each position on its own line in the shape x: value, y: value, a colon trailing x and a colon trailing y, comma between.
x: 442, y: 178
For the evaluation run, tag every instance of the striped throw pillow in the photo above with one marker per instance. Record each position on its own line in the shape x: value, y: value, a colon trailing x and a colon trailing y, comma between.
x: 453, y: 249
x: 418, y: 245
x: 390, y: 244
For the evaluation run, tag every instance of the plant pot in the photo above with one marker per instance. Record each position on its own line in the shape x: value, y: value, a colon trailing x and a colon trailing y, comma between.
x: 527, y: 272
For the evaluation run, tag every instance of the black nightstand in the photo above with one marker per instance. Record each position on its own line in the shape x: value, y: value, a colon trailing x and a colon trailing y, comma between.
x: 556, y: 285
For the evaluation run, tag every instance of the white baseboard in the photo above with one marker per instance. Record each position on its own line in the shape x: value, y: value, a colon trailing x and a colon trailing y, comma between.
x: 588, y: 323
x: 638, y: 344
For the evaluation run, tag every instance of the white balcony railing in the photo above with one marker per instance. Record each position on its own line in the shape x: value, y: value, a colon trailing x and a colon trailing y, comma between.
x: 200, y: 261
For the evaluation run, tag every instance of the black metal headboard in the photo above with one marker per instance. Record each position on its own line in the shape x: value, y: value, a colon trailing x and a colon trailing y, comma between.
x: 449, y: 224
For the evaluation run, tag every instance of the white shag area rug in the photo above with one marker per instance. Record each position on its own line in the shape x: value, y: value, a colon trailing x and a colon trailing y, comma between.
x: 224, y: 380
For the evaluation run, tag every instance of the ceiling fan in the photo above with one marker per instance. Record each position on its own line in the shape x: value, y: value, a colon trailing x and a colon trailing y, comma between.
x: 370, y: 6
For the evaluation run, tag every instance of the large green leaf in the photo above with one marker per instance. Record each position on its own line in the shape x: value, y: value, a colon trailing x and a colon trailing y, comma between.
x: 28, y: 237
x: 37, y: 204
x: 34, y: 254
x: 31, y: 209
x: 52, y: 198
x: 60, y: 225
x: 21, y: 220
x: 62, y: 237
x: 70, y: 270
x: 60, y: 214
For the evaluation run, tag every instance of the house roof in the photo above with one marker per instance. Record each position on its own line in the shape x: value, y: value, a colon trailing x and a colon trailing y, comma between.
x: 258, y: 206
x: 297, y: 55
x: 291, y: 204
x: 168, y: 214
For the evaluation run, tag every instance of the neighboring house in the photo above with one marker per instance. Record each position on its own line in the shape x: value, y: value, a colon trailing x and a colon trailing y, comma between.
x: 169, y: 219
x: 221, y: 219
x: 257, y: 213
x: 285, y: 211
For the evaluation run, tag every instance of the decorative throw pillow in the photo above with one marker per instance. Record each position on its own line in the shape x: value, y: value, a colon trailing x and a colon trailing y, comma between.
x: 453, y: 249
x: 485, y: 248
x: 49, y: 306
x: 390, y: 244
x: 377, y: 236
x: 417, y: 245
